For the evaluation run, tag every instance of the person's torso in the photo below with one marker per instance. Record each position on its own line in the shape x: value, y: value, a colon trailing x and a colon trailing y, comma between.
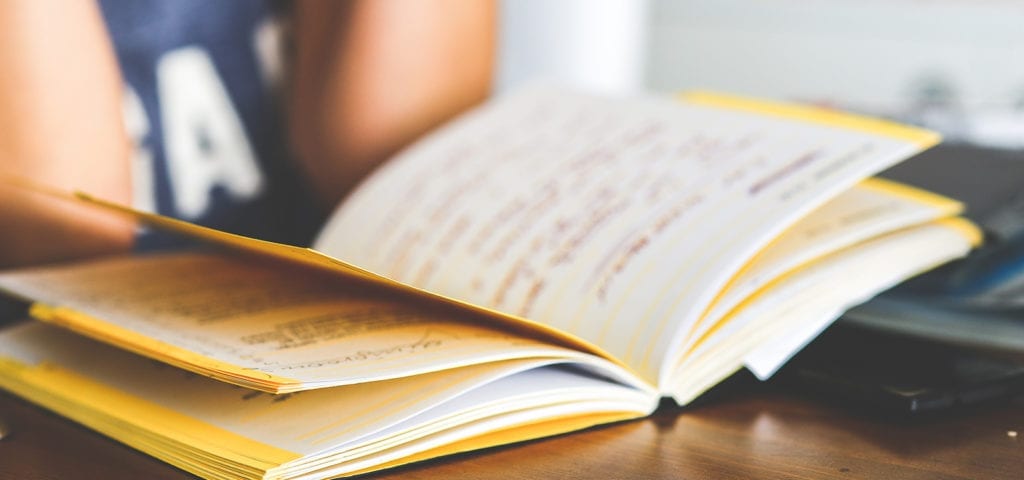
x: 201, y: 107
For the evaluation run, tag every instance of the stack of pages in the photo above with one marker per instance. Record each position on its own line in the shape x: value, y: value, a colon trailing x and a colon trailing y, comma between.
x: 547, y: 262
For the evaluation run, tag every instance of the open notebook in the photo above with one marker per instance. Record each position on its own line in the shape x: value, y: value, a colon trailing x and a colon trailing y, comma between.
x: 547, y: 262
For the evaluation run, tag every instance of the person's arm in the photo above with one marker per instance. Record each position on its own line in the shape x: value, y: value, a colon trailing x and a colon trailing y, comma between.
x: 371, y: 76
x: 60, y: 125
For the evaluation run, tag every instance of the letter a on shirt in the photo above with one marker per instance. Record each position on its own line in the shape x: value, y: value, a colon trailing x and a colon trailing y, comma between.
x: 205, y: 142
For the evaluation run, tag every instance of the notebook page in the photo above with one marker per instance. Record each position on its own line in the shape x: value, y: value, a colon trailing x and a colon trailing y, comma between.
x: 870, y: 209
x: 805, y: 296
x: 615, y: 220
x: 263, y: 326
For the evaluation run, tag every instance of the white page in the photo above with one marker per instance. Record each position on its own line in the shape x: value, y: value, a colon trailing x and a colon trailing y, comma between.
x: 617, y: 221
x: 771, y: 355
x: 244, y: 321
x: 867, y: 210
x: 812, y: 293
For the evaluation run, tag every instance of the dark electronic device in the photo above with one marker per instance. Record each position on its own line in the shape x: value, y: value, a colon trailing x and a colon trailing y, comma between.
x: 909, y: 365
x: 899, y: 375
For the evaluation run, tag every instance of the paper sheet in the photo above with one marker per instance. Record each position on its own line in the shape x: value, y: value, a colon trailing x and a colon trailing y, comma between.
x: 261, y: 325
x: 617, y: 221
x: 805, y: 296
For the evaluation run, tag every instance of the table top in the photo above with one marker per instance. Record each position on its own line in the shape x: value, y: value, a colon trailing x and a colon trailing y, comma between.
x: 748, y: 431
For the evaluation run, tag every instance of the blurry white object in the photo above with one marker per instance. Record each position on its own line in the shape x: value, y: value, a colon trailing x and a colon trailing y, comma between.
x: 953, y: 65
x: 595, y: 45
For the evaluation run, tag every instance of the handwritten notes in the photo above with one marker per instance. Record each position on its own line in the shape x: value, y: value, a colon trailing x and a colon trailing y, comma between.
x: 211, y: 310
x: 616, y: 220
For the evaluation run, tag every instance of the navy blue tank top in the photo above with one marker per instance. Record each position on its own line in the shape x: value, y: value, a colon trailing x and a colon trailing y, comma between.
x: 202, y: 106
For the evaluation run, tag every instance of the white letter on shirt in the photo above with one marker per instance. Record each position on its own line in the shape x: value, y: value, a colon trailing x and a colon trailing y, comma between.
x: 137, y: 126
x: 205, y: 143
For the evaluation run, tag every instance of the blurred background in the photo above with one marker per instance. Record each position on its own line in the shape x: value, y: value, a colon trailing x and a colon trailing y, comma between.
x: 953, y: 65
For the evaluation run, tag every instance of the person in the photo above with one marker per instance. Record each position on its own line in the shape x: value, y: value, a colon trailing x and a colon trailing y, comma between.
x: 182, y: 108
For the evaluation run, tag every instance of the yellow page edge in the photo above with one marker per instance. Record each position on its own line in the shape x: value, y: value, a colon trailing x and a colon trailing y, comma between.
x: 512, y: 435
x: 37, y: 383
x: 943, y: 203
x: 148, y: 347
x: 817, y: 115
x: 967, y: 228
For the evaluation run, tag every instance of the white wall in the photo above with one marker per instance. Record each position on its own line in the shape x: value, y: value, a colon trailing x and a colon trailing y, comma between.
x: 954, y: 65
x: 957, y: 65
x: 596, y: 45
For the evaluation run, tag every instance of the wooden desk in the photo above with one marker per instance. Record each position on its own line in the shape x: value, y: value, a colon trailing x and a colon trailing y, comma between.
x: 753, y: 432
